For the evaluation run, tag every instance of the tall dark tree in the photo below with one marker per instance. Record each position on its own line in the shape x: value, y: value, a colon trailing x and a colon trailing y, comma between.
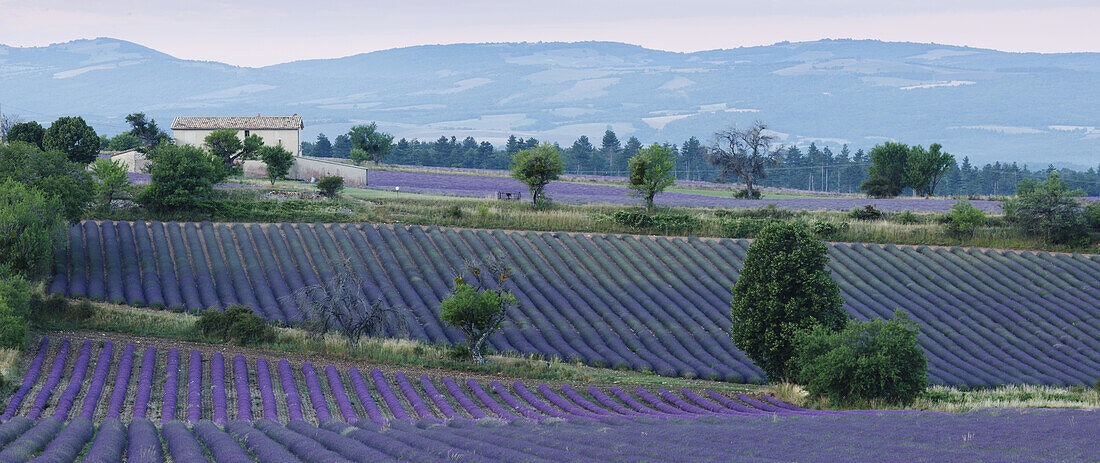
x: 322, y: 148
x: 74, y: 137
x: 342, y: 147
x: 514, y: 145
x: 746, y: 154
x: 610, y: 148
x: 632, y: 148
x: 692, y: 159
x: 581, y: 155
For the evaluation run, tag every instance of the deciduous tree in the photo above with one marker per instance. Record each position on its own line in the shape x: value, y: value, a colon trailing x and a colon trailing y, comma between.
x: 925, y: 168
x: 783, y: 288
x: 74, y: 137
x: 745, y: 154
x: 651, y: 172
x: 278, y: 161
x: 536, y: 167
x: 367, y: 138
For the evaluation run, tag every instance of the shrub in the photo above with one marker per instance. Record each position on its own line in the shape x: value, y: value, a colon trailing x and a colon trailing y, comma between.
x: 828, y: 229
x: 784, y: 288
x: 963, y: 219
x: 55, y: 307
x: 330, y: 186
x: 453, y: 211
x: 338, y: 304
x: 482, y: 211
x: 770, y: 211
x: 237, y: 324
x: 477, y: 310
x: 180, y: 178
x: 746, y: 194
x: 870, y: 360
x: 111, y: 181
x: 13, y: 331
x: 868, y: 212
x: 668, y: 223
x: 1092, y: 215
x: 31, y: 228
x: 907, y: 217
x: 746, y: 227
x: 15, y: 296
x: 1050, y: 211
x: 51, y: 173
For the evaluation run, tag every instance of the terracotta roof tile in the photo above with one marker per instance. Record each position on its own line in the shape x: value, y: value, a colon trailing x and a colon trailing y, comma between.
x: 234, y: 122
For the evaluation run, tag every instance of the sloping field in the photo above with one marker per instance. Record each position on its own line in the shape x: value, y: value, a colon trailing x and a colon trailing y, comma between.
x: 100, y: 402
x: 98, y: 381
x: 988, y: 316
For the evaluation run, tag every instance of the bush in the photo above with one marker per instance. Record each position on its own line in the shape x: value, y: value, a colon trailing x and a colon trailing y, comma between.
x: 907, y: 217
x: 784, y: 288
x: 181, y: 177
x: 770, y: 211
x: 1092, y: 215
x: 56, y: 307
x: 1050, y: 211
x: 746, y: 194
x: 828, y: 229
x: 15, y: 296
x: 13, y: 331
x: 867, y: 213
x: 111, y: 181
x: 238, y: 324
x: 963, y: 219
x: 746, y: 227
x: 870, y: 360
x: 330, y: 186
x: 453, y: 211
x: 51, y: 173
x: 668, y: 223
x: 31, y: 228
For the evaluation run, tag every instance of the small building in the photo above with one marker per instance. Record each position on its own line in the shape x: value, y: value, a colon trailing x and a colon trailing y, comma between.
x: 282, y: 131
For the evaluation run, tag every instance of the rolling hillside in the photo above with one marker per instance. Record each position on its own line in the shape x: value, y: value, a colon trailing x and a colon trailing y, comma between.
x: 650, y: 303
x: 986, y: 104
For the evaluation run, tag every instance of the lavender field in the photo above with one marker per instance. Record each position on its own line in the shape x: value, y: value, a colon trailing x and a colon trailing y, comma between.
x: 581, y: 193
x: 212, y: 408
x: 660, y: 304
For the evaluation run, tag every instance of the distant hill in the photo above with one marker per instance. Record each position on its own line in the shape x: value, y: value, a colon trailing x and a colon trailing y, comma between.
x: 990, y: 105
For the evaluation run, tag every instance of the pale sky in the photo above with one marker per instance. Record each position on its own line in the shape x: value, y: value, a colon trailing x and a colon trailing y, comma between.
x: 257, y: 33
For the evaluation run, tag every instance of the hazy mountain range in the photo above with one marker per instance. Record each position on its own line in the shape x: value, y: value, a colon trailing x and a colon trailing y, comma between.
x: 986, y: 104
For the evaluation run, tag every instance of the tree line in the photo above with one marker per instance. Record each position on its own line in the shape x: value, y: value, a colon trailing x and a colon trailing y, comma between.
x: 811, y: 168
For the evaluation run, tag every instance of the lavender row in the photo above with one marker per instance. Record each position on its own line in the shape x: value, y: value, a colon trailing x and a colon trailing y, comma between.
x: 1016, y: 435
x: 644, y: 303
x: 380, y: 399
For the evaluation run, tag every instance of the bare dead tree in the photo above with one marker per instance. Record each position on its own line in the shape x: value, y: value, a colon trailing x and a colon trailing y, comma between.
x: 745, y: 154
x: 340, y: 304
x: 6, y: 123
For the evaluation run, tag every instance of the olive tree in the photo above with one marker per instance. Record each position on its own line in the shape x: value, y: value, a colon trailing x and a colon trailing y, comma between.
x: 477, y: 308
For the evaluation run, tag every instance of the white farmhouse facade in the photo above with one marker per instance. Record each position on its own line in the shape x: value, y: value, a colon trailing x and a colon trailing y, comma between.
x: 282, y: 131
